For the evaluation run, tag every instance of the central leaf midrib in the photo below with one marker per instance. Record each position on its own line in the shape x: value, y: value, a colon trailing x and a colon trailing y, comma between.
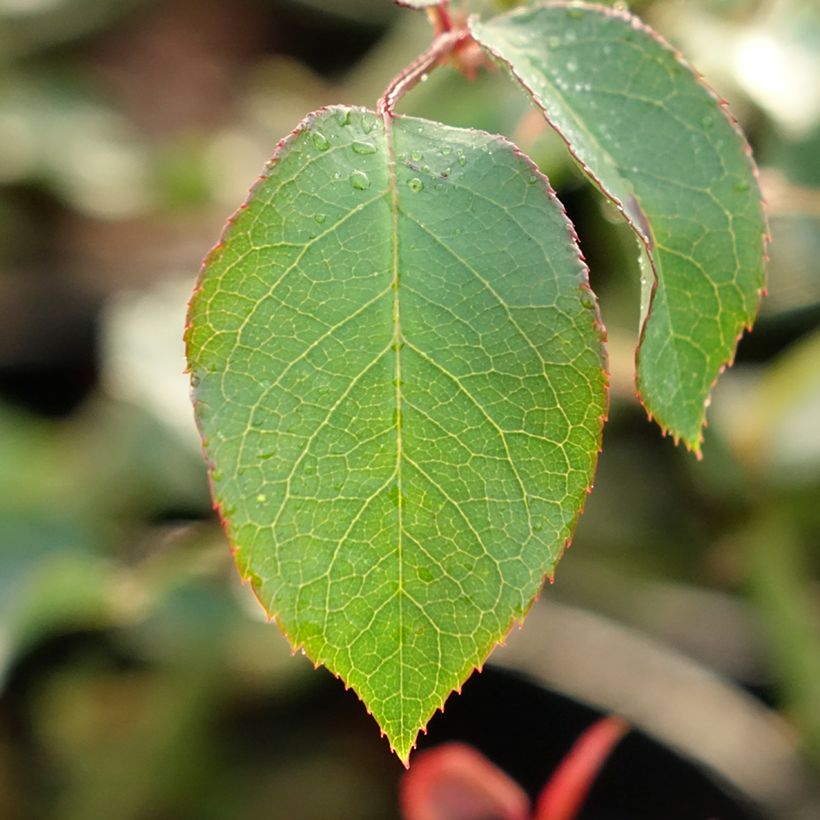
x: 396, y: 343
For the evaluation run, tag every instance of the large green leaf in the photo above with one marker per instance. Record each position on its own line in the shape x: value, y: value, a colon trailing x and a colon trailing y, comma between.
x: 397, y: 370
x: 664, y: 149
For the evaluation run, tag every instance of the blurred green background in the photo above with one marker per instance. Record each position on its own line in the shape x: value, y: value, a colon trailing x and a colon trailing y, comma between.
x: 137, y: 678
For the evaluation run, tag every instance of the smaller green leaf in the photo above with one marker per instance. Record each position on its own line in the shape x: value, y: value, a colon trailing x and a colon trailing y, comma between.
x: 658, y: 143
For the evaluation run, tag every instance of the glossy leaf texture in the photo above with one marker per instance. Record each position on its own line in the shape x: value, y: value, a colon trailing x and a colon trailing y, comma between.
x: 659, y: 143
x: 399, y: 379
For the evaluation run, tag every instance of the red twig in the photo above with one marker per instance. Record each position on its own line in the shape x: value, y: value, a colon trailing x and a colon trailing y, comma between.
x: 440, y: 49
x: 569, y: 785
x: 440, y: 17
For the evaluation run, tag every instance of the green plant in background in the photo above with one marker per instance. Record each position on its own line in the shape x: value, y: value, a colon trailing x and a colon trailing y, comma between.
x: 398, y: 364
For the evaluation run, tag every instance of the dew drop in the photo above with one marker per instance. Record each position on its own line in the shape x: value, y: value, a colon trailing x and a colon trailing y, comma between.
x: 415, y: 184
x: 261, y: 498
x: 587, y: 300
x: 416, y: 156
x: 364, y: 148
x: 320, y: 141
x: 446, y: 151
x: 343, y: 117
x: 742, y: 185
x: 360, y: 180
x: 462, y: 160
x: 438, y: 186
x: 216, y: 475
x: 532, y: 179
x: 319, y: 219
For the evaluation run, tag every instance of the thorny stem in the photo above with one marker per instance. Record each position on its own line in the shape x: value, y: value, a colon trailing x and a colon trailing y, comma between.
x: 442, y: 47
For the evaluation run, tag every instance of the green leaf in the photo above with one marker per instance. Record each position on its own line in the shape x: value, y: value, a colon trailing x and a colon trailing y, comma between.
x: 658, y: 143
x: 398, y: 375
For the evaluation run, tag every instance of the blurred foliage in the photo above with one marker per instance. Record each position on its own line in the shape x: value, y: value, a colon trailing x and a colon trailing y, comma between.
x: 137, y: 680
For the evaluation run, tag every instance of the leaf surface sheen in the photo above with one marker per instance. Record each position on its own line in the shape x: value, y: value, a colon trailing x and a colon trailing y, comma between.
x: 655, y: 140
x: 399, y: 379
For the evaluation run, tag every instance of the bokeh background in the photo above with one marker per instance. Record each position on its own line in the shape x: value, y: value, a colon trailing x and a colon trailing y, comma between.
x: 137, y: 677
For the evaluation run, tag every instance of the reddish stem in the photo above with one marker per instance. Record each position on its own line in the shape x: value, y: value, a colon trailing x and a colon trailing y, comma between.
x: 440, y: 17
x: 567, y: 789
x: 440, y: 49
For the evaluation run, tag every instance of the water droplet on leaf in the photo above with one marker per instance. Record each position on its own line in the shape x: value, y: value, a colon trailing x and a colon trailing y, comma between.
x: 319, y: 219
x: 360, y: 180
x: 587, y: 300
x: 415, y: 184
x: 364, y: 148
x: 320, y: 141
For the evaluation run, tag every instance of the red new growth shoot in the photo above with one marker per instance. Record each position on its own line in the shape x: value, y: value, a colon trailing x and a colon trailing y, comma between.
x: 456, y: 782
x: 567, y: 789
